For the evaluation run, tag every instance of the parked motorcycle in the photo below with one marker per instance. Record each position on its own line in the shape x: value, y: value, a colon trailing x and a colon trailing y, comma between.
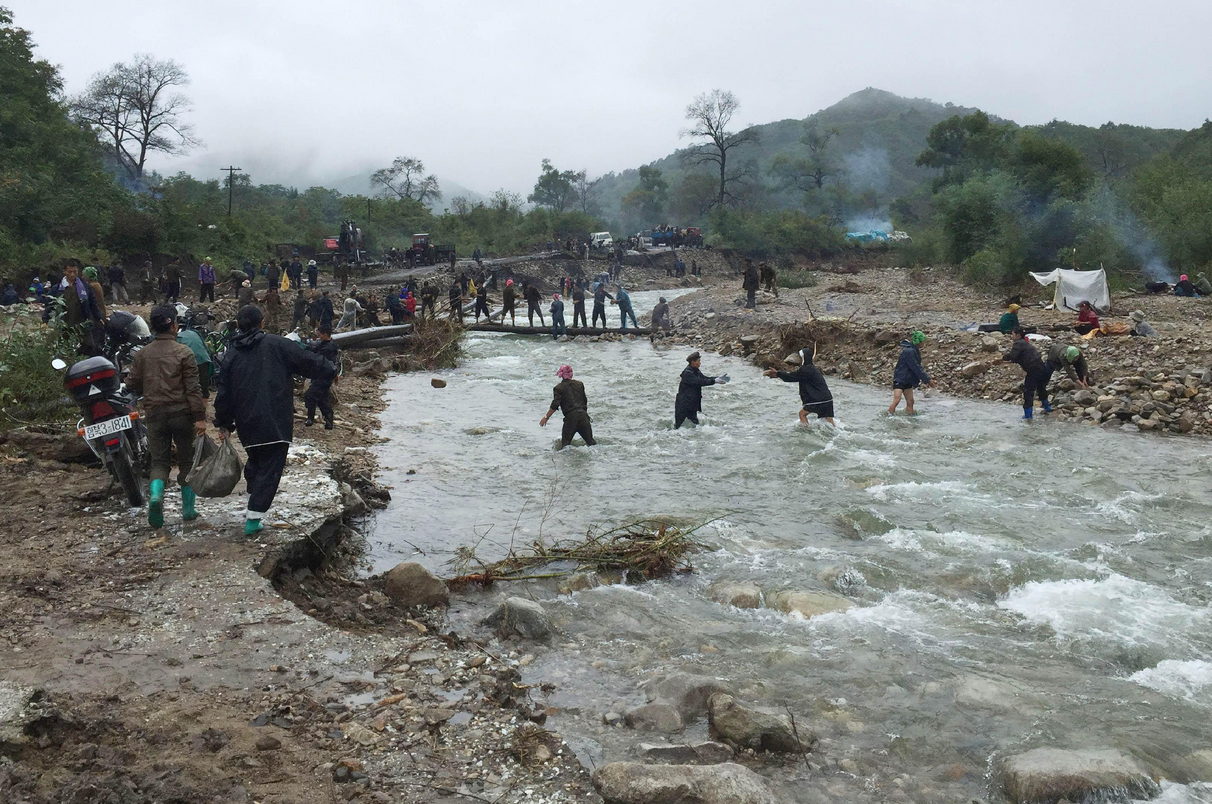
x: 125, y: 334
x: 111, y: 425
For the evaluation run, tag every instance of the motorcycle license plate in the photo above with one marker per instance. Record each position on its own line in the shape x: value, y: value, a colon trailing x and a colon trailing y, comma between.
x: 107, y: 428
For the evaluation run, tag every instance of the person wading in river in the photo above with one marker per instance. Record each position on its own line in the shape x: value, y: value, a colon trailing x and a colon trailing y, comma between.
x: 690, y: 391
x: 1036, y: 379
x: 814, y: 391
x: 569, y: 396
x: 909, y: 373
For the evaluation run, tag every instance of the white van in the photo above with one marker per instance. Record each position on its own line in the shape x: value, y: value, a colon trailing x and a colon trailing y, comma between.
x: 601, y: 240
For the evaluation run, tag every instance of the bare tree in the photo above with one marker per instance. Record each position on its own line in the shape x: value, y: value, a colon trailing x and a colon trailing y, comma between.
x: 406, y: 179
x: 137, y: 110
x: 586, y: 190
x: 710, y: 115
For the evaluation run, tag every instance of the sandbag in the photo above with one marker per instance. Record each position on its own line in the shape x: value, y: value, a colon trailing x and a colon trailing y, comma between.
x: 217, y: 475
x: 204, y: 447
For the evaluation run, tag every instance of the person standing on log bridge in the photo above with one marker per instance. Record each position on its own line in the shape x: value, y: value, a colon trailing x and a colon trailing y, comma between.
x: 569, y: 396
x: 510, y: 302
x: 558, y: 327
x: 533, y: 304
x: 599, y: 303
x: 578, y: 305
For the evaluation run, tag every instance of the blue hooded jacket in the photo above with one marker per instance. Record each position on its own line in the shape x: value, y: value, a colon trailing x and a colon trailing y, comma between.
x: 909, y: 372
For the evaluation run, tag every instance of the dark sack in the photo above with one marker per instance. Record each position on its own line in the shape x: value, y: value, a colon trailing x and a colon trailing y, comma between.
x: 216, y: 474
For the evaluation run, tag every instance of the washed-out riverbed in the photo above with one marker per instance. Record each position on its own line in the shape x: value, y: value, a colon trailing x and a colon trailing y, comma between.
x: 1015, y: 585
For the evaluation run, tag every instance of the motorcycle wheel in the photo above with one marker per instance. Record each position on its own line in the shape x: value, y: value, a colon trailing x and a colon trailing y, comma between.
x: 124, y: 470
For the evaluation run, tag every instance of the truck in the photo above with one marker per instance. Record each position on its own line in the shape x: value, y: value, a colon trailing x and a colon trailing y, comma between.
x: 425, y: 252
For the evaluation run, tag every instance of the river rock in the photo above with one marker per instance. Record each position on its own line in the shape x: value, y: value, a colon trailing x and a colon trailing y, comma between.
x: 808, y: 604
x: 413, y: 585
x: 517, y: 615
x: 636, y: 783
x: 686, y: 692
x: 578, y: 582
x: 655, y: 717
x: 741, y: 595
x: 752, y: 728
x: 974, y: 369
x: 1085, y: 398
x: 437, y: 383
x: 1197, y: 766
x: 707, y: 753
x: 1048, y: 775
x: 18, y: 708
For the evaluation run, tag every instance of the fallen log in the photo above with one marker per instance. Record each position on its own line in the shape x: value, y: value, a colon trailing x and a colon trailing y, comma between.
x: 572, y: 331
x: 356, y: 337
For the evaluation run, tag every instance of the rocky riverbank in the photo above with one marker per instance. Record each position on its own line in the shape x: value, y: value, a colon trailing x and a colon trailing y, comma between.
x: 190, y: 664
x: 857, y: 322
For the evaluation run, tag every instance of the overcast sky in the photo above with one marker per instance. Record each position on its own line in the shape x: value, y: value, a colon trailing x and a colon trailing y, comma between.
x: 304, y: 91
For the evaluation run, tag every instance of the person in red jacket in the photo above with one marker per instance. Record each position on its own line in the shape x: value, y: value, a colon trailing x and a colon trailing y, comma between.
x: 1087, y: 319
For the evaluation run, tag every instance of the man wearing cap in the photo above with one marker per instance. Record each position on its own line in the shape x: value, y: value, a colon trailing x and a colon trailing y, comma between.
x: 689, y: 401
x: 909, y: 373
x: 814, y: 391
x: 313, y: 274
x: 206, y: 281
x: 165, y: 374
x: 569, y: 396
x: 1069, y: 358
x: 1035, y: 379
x: 623, y: 300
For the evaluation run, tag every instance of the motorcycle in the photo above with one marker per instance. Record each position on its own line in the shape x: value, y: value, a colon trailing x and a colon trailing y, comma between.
x: 125, y: 334
x: 111, y: 425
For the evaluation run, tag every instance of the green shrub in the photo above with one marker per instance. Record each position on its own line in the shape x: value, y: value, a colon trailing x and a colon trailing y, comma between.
x: 795, y: 279
x: 29, y: 386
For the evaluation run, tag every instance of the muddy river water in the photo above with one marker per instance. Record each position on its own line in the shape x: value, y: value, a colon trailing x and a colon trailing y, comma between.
x: 1015, y: 585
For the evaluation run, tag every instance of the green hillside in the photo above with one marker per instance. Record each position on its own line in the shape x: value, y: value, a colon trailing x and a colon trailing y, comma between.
x: 879, y: 136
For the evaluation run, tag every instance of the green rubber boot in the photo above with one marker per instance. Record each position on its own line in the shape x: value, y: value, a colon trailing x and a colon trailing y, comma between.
x: 155, y: 504
x: 188, y: 511
x: 252, y: 526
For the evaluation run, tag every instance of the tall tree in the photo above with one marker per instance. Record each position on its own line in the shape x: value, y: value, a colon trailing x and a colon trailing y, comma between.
x: 136, y: 110
x: 555, y: 188
x: 646, y: 203
x: 962, y: 146
x: 710, y: 114
x: 52, y: 184
x: 406, y: 178
x: 586, y: 190
x: 808, y: 172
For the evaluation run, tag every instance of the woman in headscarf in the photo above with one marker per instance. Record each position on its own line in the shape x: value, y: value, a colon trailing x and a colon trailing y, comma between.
x: 689, y: 401
x: 569, y: 396
x: 814, y: 391
x: 90, y: 276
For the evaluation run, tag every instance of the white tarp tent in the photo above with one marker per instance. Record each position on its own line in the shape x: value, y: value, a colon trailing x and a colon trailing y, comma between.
x: 1074, y: 287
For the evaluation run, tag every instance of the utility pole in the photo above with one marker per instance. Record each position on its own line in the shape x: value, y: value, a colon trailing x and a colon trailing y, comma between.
x: 231, y: 184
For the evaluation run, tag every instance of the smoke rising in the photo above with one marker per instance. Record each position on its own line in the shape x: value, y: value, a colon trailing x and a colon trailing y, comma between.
x: 875, y: 220
x: 868, y: 168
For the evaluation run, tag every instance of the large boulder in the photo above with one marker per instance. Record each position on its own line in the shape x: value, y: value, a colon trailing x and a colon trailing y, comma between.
x: 525, y: 618
x: 636, y: 783
x: 752, y: 728
x: 685, y: 692
x: 808, y: 604
x: 1047, y: 775
x: 654, y: 717
x: 413, y: 585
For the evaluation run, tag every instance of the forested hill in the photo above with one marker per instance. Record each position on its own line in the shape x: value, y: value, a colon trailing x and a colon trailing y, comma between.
x: 878, y: 137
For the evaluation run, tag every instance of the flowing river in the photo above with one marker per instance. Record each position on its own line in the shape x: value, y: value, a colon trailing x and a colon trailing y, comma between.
x: 1015, y: 585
